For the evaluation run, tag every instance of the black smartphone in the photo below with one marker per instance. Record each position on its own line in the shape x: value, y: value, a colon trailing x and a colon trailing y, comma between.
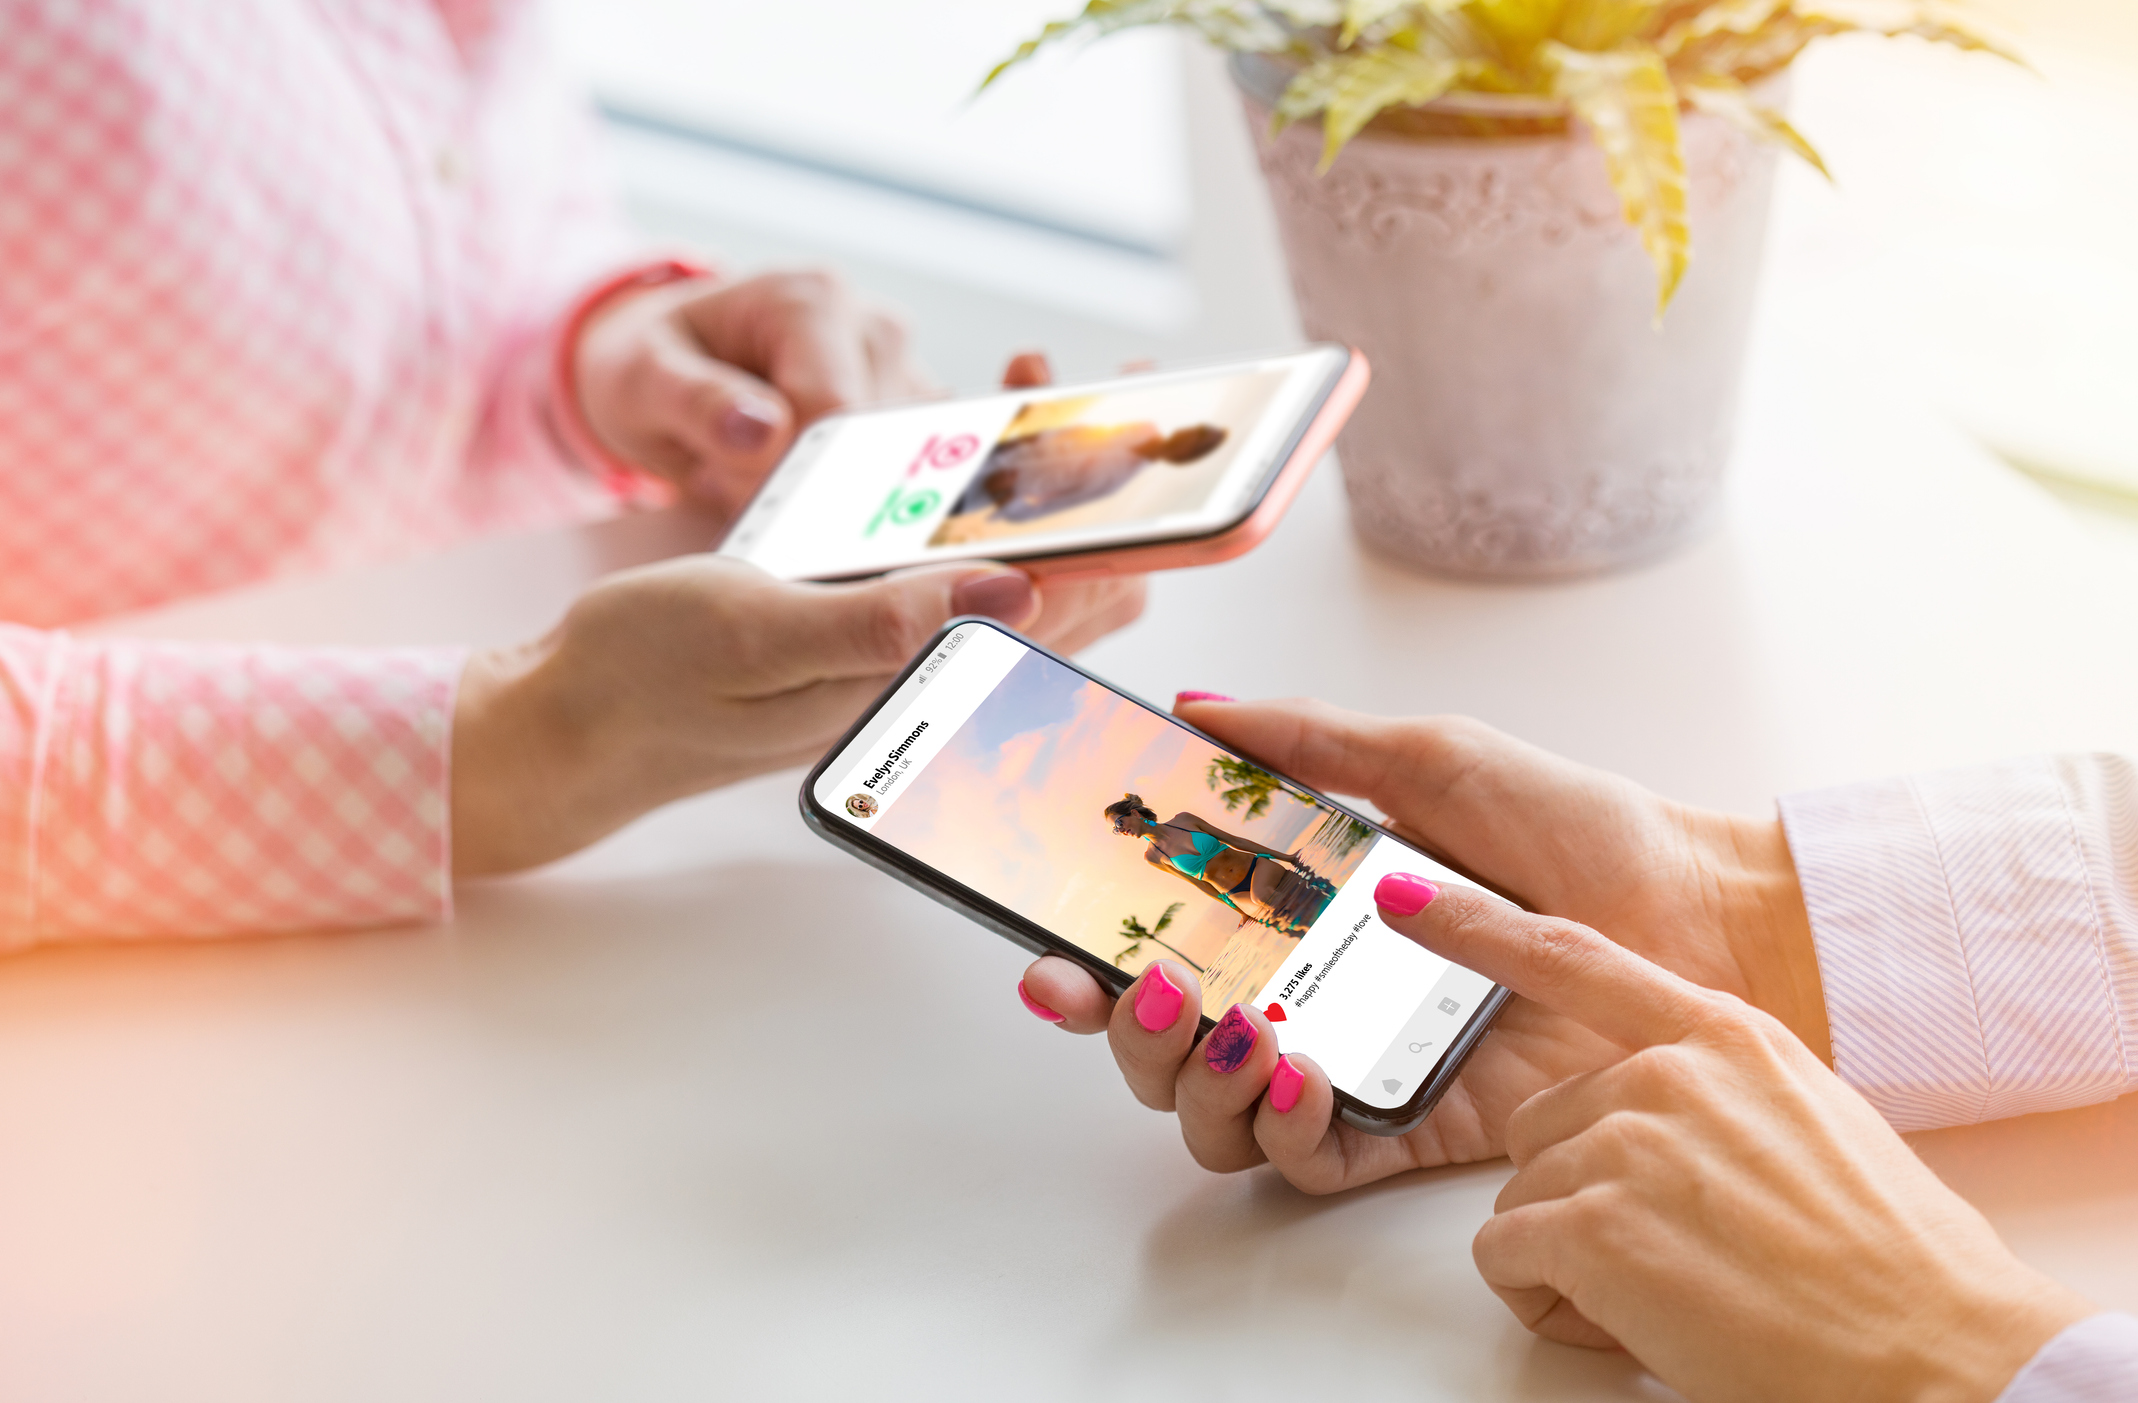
x: 1018, y: 789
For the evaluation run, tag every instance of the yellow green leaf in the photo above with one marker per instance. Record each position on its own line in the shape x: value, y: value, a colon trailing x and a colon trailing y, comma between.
x: 1631, y: 108
x: 1229, y: 24
x: 1939, y: 21
x: 1724, y: 97
x: 1516, y: 26
x: 1739, y: 17
x: 1361, y: 15
x: 1602, y: 24
x: 1349, y: 88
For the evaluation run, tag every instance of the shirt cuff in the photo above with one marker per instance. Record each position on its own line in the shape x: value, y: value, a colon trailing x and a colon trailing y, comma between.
x: 2094, y: 1361
x: 1965, y: 965
x: 190, y: 789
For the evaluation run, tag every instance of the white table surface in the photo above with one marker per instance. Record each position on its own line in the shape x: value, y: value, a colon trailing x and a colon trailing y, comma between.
x: 713, y: 1112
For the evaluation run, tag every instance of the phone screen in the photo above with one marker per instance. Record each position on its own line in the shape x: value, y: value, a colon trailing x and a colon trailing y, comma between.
x: 1121, y: 831
x: 1032, y: 472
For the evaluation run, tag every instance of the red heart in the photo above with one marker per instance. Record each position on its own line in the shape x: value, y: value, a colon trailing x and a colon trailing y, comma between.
x: 1274, y: 1013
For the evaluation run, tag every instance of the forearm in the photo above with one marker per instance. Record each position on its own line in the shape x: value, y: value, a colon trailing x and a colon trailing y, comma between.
x: 166, y: 789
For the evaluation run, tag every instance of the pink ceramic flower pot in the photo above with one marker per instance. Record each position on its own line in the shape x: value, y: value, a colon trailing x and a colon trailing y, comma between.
x: 1528, y: 417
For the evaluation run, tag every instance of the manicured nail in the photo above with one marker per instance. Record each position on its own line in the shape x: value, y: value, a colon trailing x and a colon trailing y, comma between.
x: 1157, y: 1002
x: 1179, y: 697
x: 1001, y: 594
x: 1403, y: 894
x: 748, y: 425
x: 1038, y: 1009
x: 1285, y: 1084
x: 1231, y: 1042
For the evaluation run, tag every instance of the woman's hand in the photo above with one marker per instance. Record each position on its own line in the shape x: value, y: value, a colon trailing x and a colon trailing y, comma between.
x: 1721, y: 1204
x: 681, y: 677
x: 1710, y: 896
x: 706, y: 383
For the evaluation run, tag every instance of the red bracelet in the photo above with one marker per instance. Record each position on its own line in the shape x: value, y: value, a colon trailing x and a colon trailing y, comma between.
x: 567, y: 419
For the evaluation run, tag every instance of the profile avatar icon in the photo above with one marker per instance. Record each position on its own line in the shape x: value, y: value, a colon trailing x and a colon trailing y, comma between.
x: 862, y: 805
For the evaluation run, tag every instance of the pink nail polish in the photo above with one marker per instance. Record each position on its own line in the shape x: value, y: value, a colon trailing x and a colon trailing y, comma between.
x: 1231, y: 1042
x: 1285, y: 1084
x: 1038, y: 1009
x: 1157, y: 1002
x: 1402, y: 894
x: 1179, y: 697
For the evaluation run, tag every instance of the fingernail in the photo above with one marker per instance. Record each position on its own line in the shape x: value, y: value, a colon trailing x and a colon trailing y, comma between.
x: 1157, y: 1002
x: 1285, y: 1084
x: 1004, y: 594
x: 1231, y: 1042
x: 1404, y: 894
x: 748, y: 425
x: 1179, y: 697
x: 1038, y: 1009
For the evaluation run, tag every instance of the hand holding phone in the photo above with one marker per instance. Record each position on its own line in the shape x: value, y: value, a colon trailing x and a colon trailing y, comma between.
x: 1010, y: 785
x: 1147, y: 472
x: 1710, y: 896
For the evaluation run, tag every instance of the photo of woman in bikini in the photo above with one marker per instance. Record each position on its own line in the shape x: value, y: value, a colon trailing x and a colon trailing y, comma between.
x: 1263, y: 885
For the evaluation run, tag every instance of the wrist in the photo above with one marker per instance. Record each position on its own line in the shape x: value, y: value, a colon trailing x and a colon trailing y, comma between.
x: 1972, y: 1339
x: 514, y: 765
x: 1768, y: 928
x: 577, y: 429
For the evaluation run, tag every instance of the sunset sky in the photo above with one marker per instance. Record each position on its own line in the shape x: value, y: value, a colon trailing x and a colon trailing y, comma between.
x: 1233, y: 402
x: 1013, y: 807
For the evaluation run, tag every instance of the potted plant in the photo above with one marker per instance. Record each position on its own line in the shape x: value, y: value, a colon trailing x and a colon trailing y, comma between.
x: 1542, y: 221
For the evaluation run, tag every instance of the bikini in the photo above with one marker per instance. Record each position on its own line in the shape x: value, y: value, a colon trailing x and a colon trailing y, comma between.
x: 1196, y: 863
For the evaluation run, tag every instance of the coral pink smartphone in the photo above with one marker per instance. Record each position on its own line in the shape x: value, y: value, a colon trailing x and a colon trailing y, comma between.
x: 1147, y: 472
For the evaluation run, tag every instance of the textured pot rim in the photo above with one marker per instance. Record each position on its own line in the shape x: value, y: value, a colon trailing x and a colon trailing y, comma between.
x: 1262, y: 79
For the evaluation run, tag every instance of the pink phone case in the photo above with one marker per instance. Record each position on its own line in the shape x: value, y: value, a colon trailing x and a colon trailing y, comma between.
x: 1208, y: 550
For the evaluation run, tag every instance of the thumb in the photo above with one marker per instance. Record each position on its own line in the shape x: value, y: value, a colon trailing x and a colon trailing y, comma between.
x: 1568, y: 968
x: 839, y: 632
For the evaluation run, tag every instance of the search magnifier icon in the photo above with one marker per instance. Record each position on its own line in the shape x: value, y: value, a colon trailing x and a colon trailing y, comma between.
x: 1419, y: 1047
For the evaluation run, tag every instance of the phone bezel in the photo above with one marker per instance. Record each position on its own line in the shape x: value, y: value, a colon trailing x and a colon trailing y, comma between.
x: 1250, y: 501
x: 1035, y: 938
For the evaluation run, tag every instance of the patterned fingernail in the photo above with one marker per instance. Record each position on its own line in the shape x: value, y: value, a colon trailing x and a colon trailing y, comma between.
x: 748, y: 425
x: 1038, y: 1009
x: 1231, y: 1042
x: 1179, y: 697
x: 1157, y: 1002
x: 1285, y: 1084
x: 1404, y: 895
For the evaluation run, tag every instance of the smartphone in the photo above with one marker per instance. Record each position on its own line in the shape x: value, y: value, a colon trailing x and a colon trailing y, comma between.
x: 1143, y: 473
x: 1014, y: 787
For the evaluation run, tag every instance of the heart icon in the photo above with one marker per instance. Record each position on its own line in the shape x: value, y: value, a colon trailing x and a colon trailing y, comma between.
x: 1274, y: 1013
x: 1392, y: 1085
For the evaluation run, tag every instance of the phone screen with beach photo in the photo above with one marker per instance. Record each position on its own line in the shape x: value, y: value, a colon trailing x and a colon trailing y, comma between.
x: 1033, y: 472
x: 1117, y: 830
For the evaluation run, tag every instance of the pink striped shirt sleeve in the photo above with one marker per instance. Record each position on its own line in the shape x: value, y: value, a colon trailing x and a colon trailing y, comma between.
x: 2094, y: 1361
x: 152, y: 789
x: 1977, y: 934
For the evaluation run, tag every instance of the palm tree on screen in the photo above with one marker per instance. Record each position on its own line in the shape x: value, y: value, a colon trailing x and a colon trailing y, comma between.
x: 1237, y: 782
x: 1137, y: 933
